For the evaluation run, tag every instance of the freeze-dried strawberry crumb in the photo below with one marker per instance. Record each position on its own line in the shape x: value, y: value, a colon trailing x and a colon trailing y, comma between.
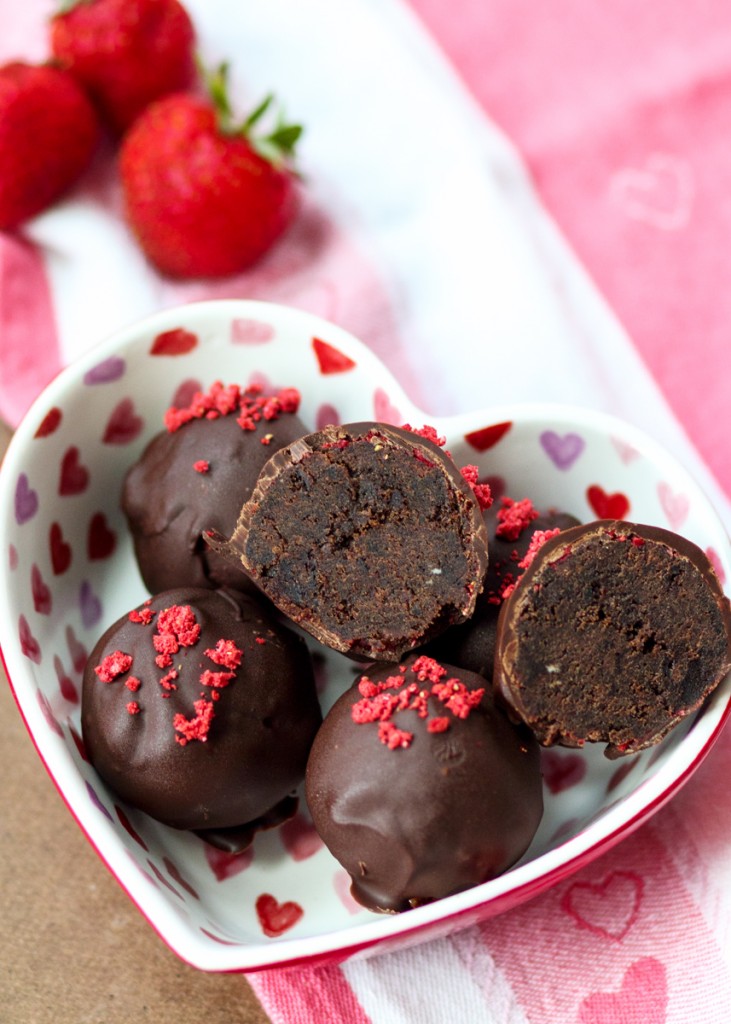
x: 374, y: 709
x: 113, y: 666
x: 428, y: 670
x: 133, y: 683
x: 455, y: 696
x: 394, y: 737
x: 427, y: 432
x: 249, y: 405
x: 260, y: 640
x: 437, y: 725
x: 514, y: 517
x: 201, y: 465
x: 225, y: 653
x: 537, y: 541
x: 144, y: 616
x: 216, y: 679
x: 168, y: 680
x: 196, y: 728
x: 482, y: 492
x: 133, y: 707
x: 180, y: 622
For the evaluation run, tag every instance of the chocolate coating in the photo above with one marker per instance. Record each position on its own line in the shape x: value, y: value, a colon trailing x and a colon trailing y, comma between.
x: 264, y: 719
x: 169, y: 505
x: 471, y: 644
x: 367, y: 536
x: 452, y: 810
x: 614, y: 634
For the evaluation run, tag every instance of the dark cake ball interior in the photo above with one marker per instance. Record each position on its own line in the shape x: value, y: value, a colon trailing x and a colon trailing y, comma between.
x: 613, y: 634
x: 370, y: 538
x: 420, y: 786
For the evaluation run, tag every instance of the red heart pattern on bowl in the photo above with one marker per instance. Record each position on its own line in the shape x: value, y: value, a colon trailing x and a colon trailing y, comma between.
x: 61, y: 482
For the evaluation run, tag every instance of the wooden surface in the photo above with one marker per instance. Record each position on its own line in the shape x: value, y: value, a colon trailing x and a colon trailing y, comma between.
x: 73, y: 948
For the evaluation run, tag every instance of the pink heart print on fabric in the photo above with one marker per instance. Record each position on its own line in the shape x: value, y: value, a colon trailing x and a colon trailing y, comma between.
x: 607, y: 908
x: 42, y: 598
x: 562, y: 449
x: 643, y: 997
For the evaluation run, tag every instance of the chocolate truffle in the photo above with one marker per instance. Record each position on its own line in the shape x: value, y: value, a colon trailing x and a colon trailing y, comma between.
x: 195, y: 475
x: 614, y: 633
x: 200, y: 710
x: 420, y: 786
x: 367, y: 535
x: 510, y: 529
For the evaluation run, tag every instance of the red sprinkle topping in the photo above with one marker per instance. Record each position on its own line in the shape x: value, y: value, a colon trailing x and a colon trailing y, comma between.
x: 225, y: 653
x: 143, y: 616
x: 201, y: 466
x: 196, y: 728
x: 249, y: 405
x: 168, y: 680
x: 113, y: 666
x: 638, y: 542
x: 133, y: 708
x: 394, y: 737
x: 481, y: 491
x: 427, y: 669
x: 260, y: 640
x: 514, y: 517
x: 537, y: 541
x: 180, y: 622
x: 133, y: 683
x: 456, y: 698
x: 216, y: 680
x: 382, y: 699
x: 428, y: 432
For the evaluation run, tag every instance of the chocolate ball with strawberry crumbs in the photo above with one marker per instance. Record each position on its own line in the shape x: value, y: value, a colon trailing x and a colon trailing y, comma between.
x: 200, y: 710
x: 195, y: 475
x: 420, y: 786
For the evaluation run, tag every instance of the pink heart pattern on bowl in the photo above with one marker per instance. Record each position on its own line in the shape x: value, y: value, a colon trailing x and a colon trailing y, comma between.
x: 71, y: 572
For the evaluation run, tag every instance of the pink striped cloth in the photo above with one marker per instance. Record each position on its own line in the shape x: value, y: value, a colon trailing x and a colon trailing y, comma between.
x: 499, y: 196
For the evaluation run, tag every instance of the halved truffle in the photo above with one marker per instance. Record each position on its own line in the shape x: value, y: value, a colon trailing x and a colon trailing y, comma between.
x: 613, y: 634
x: 366, y: 535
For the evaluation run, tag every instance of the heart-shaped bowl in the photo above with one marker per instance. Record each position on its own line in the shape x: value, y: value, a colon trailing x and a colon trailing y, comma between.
x: 69, y: 571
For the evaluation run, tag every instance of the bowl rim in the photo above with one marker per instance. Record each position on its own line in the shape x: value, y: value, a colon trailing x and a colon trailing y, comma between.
x: 495, y: 896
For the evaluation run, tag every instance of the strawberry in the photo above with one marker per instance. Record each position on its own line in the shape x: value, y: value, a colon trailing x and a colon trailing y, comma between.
x: 205, y: 197
x: 48, y: 134
x: 126, y: 53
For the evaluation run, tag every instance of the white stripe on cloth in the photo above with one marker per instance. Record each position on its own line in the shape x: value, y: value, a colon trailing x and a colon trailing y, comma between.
x: 446, y: 981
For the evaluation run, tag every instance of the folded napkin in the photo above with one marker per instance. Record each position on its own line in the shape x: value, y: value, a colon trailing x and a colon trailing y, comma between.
x: 424, y: 234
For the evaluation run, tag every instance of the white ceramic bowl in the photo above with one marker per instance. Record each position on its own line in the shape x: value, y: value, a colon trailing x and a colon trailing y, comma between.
x: 68, y: 571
